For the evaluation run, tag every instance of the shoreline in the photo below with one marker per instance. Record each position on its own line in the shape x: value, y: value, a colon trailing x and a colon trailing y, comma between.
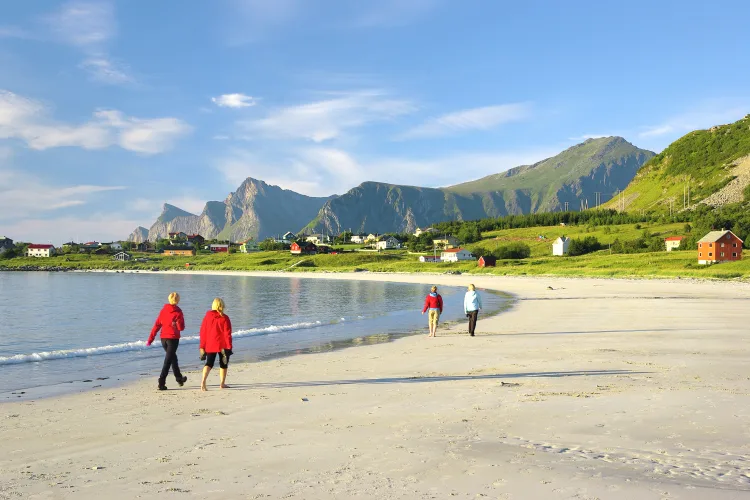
x: 593, y: 388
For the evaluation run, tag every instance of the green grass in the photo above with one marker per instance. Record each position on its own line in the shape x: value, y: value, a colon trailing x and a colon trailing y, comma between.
x: 602, y: 263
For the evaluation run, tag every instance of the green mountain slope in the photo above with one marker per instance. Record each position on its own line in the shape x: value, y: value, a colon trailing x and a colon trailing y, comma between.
x: 573, y: 176
x: 704, y: 160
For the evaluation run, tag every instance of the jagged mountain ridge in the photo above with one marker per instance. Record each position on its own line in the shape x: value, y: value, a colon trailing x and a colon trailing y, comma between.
x: 255, y: 210
x: 596, y: 165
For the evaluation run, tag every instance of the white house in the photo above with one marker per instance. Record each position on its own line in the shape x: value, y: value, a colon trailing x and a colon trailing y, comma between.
x: 318, y: 239
x: 115, y: 246
x: 387, y: 243
x: 40, y: 251
x: 673, y: 242
x: 447, y: 242
x: 358, y: 238
x: 560, y: 246
x: 122, y: 256
x: 455, y: 255
x: 428, y: 258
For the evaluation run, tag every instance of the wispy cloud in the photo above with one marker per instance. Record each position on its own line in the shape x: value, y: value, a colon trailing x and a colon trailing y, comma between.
x: 321, y: 171
x: 234, y: 101
x: 253, y: 21
x: 327, y: 119
x: 706, y: 115
x: 27, y: 120
x: 105, y: 70
x: 22, y: 193
x: 483, y: 118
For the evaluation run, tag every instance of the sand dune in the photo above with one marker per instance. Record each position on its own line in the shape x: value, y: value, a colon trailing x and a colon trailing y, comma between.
x: 608, y: 389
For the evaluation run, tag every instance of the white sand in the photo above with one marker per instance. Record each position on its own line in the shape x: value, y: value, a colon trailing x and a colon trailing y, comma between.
x: 605, y: 389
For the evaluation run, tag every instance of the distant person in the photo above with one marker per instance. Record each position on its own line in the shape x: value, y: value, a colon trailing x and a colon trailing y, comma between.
x: 171, y: 322
x: 216, y: 340
x: 433, y: 305
x: 472, y: 306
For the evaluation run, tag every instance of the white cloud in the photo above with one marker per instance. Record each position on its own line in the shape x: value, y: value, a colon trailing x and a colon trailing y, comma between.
x: 105, y: 70
x: 328, y: 119
x: 99, y: 227
x: 321, y: 171
x: 27, y: 120
x: 21, y: 193
x: 471, y: 119
x: 234, y: 101
x: 84, y: 24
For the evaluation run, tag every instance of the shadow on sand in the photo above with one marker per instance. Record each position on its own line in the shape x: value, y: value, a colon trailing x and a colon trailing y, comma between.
x: 445, y: 378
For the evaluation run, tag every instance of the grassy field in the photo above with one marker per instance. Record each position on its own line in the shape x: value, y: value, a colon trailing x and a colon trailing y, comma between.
x: 602, y: 263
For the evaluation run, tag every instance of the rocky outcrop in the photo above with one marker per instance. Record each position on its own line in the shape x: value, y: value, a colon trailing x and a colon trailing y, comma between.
x: 256, y: 210
x: 734, y: 191
x: 139, y: 235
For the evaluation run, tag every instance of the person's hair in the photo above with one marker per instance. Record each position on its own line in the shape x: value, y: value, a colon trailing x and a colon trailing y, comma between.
x: 472, y: 288
x: 433, y: 289
x: 174, y: 298
x: 218, y: 305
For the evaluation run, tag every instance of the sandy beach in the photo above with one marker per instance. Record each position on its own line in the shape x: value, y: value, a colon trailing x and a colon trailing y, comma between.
x: 586, y: 389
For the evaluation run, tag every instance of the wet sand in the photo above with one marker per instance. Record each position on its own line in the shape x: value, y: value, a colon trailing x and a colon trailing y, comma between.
x: 595, y: 388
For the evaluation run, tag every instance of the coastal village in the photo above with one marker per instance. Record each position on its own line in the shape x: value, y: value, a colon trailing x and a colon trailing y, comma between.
x: 713, y: 248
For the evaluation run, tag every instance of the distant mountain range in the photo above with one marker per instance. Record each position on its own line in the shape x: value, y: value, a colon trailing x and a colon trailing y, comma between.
x: 258, y: 210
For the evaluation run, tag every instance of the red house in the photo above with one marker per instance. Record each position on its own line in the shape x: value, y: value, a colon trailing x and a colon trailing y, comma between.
x: 306, y: 248
x: 487, y: 261
x: 719, y: 246
x: 219, y: 248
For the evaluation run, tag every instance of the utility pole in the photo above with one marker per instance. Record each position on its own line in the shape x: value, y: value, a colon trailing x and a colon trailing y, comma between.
x: 566, y: 206
x: 597, y: 199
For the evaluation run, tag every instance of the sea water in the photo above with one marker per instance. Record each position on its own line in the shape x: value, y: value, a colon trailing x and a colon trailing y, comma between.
x: 62, y: 331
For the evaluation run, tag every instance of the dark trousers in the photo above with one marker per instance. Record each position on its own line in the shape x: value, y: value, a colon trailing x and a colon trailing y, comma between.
x: 170, y: 359
x: 473, y: 321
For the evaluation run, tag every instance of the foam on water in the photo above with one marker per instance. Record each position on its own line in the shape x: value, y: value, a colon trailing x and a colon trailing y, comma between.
x: 140, y: 345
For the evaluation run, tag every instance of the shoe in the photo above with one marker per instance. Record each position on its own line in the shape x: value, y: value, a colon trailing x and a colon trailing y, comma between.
x: 471, y: 334
x: 182, y: 381
x: 162, y: 387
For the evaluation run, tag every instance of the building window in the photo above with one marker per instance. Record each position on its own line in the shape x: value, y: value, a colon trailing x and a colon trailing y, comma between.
x: 734, y: 255
x: 722, y: 253
x: 710, y: 254
x: 734, y: 245
x: 722, y: 245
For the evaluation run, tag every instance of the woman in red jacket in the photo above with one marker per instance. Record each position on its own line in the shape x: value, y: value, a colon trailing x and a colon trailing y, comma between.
x: 216, y: 339
x: 171, y: 322
x: 433, y: 304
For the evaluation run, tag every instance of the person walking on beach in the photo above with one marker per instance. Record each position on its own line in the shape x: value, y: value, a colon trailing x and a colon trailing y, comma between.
x: 171, y: 322
x: 433, y: 305
x: 472, y: 306
x: 216, y: 340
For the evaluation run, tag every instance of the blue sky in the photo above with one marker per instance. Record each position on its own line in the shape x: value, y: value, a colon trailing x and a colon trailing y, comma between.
x: 110, y: 108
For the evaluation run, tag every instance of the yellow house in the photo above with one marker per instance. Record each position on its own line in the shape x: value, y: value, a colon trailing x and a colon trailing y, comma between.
x: 179, y: 251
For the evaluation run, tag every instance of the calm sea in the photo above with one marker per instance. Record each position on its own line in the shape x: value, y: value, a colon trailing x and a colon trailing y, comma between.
x: 65, y: 332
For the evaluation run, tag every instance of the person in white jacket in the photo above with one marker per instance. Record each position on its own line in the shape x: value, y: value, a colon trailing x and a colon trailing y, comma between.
x: 472, y: 306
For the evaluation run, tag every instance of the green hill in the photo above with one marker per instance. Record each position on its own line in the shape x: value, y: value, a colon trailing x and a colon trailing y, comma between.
x: 705, y: 160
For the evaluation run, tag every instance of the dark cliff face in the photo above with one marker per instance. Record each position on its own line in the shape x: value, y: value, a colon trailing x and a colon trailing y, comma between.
x: 255, y: 210
x: 574, y: 176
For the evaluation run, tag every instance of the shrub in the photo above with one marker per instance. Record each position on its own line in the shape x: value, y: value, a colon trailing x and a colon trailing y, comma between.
x: 583, y: 246
x: 512, y: 251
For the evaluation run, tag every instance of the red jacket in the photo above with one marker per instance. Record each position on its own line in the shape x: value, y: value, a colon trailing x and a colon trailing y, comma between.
x: 431, y: 302
x: 170, y: 321
x: 216, y: 332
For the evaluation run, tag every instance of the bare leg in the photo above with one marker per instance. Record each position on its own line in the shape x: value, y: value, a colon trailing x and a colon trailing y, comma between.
x: 223, y: 378
x: 206, y: 371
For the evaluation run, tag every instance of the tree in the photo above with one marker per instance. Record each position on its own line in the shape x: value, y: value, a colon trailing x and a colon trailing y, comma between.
x: 270, y: 244
x: 583, y: 246
x: 343, y: 238
x: 512, y: 251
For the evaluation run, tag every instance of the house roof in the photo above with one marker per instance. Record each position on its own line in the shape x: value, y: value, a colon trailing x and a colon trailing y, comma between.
x: 186, y: 249
x: 715, y: 236
x: 455, y: 250
x: 674, y: 238
x: 562, y: 239
x: 40, y: 247
x: 190, y: 236
x: 488, y: 258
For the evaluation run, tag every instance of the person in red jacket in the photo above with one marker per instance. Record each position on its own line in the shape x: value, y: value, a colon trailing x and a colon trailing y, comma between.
x: 434, y: 304
x: 216, y: 339
x: 171, y: 322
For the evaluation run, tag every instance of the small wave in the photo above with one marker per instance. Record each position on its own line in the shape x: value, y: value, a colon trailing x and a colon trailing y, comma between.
x: 140, y: 345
